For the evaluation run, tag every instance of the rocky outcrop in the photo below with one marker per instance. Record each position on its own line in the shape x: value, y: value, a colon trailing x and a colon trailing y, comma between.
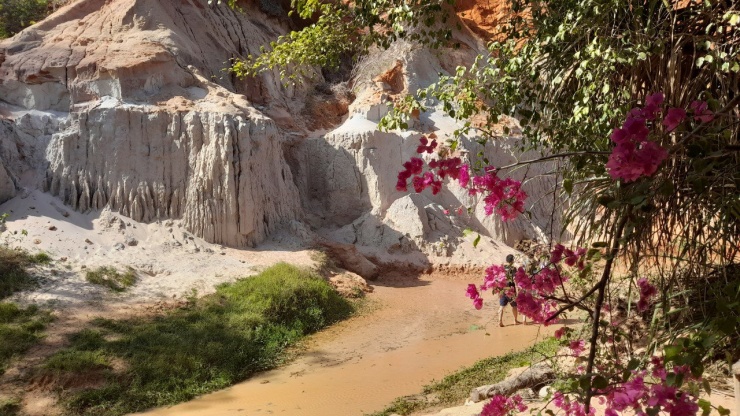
x: 347, y: 256
x: 222, y: 174
x: 7, y: 187
x: 125, y: 104
x: 147, y: 121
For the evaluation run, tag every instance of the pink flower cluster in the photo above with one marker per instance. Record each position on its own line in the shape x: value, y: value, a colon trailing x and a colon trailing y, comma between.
x: 571, y: 407
x: 572, y: 258
x: 505, y: 197
x: 411, y: 168
x: 420, y: 180
x: 638, y: 395
x: 426, y: 146
x: 701, y: 113
x: 561, y: 331
x: 473, y: 294
x: 500, y: 405
x: 647, y: 291
x: 536, y: 308
x: 502, y: 196
x: 495, y: 277
x: 634, y: 155
x: 577, y: 346
x: 532, y: 292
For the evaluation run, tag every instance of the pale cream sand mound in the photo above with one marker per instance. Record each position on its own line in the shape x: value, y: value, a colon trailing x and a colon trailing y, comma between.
x: 168, y: 261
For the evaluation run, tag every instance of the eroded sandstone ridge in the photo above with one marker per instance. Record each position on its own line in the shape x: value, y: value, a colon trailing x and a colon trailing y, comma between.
x: 126, y: 104
x: 144, y: 118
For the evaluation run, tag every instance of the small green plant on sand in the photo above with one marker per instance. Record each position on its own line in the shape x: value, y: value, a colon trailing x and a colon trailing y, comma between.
x: 111, y: 278
x: 14, y: 275
x: 10, y: 406
x: 20, y: 328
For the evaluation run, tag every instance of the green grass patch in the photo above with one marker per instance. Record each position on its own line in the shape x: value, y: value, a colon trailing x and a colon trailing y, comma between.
x: 10, y: 407
x: 14, y: 275
x: 216, y: 341
x: 456, y: 387
x: 112, y: 278
x: 20, y: 328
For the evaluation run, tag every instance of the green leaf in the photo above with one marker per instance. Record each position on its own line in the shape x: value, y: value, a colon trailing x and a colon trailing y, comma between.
x: 593, y: 254
x: 722, y: 411
x: 568, y: 186
x: 705, y: 407
x: 599, y: 382
x: 674, y: 380
x: 671, y: 352
x: 476, y: 241
x: 707, y: 387
x: 697, y: 370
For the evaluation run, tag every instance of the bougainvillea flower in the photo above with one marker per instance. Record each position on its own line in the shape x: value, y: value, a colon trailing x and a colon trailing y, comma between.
x: 577, y: 346
x: 701, y: 113
x: 500, y: 405
x: 426, y: 146
x: 560, y: 332
x: 674, y: 117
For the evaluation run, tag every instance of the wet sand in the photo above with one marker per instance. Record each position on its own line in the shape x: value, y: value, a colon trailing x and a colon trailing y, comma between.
x: 422, y: 330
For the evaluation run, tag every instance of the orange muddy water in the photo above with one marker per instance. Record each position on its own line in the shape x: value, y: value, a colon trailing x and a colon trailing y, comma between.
x: 421, y: 330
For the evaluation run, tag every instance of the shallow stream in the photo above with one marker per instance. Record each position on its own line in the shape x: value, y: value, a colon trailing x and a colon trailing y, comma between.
x: 416, y: 330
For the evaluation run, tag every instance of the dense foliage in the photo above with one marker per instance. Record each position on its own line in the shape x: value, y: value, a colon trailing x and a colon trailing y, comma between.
x: 637, y: 101
x: 16, y: 15
x: 342, y: 29
x: 656, y: 198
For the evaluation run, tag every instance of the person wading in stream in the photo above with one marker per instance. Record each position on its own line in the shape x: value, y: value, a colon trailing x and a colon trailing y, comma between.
x: 504, y: 299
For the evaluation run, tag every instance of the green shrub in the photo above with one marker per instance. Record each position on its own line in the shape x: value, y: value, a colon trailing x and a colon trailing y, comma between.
x: 10, y: 407
x: 214, y: 342
x: 16, y: 15
x: 14, y: 276
x: 112, y: 278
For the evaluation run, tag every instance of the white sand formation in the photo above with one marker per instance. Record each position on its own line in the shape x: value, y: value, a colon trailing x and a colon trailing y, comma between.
x: 125, y: 105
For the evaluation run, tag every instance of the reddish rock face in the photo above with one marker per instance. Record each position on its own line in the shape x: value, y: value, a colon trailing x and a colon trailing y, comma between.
x: 483, y: 16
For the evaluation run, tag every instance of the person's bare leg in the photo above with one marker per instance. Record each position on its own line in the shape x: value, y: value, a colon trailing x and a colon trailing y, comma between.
x: 516, y: 315
x: 501, y: 316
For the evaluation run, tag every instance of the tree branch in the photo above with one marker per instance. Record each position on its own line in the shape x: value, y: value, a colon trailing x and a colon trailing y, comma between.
x: 556, y: 156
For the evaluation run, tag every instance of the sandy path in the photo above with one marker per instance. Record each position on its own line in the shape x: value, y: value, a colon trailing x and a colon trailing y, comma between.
x: 420, y: 332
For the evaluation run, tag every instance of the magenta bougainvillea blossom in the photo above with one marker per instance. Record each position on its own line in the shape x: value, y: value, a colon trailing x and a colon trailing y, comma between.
x: 673, y: 118
x: 647, y: 291
x: 648, y: 392
x: 500, y: 405
x: 701, y: 113
x: 533, y: 291
x: 426, y: 145
x: 577, y: 346
x: 503, y: 197
x: 634, y: 155
x: 571, y: 407
x: 473, y: 294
